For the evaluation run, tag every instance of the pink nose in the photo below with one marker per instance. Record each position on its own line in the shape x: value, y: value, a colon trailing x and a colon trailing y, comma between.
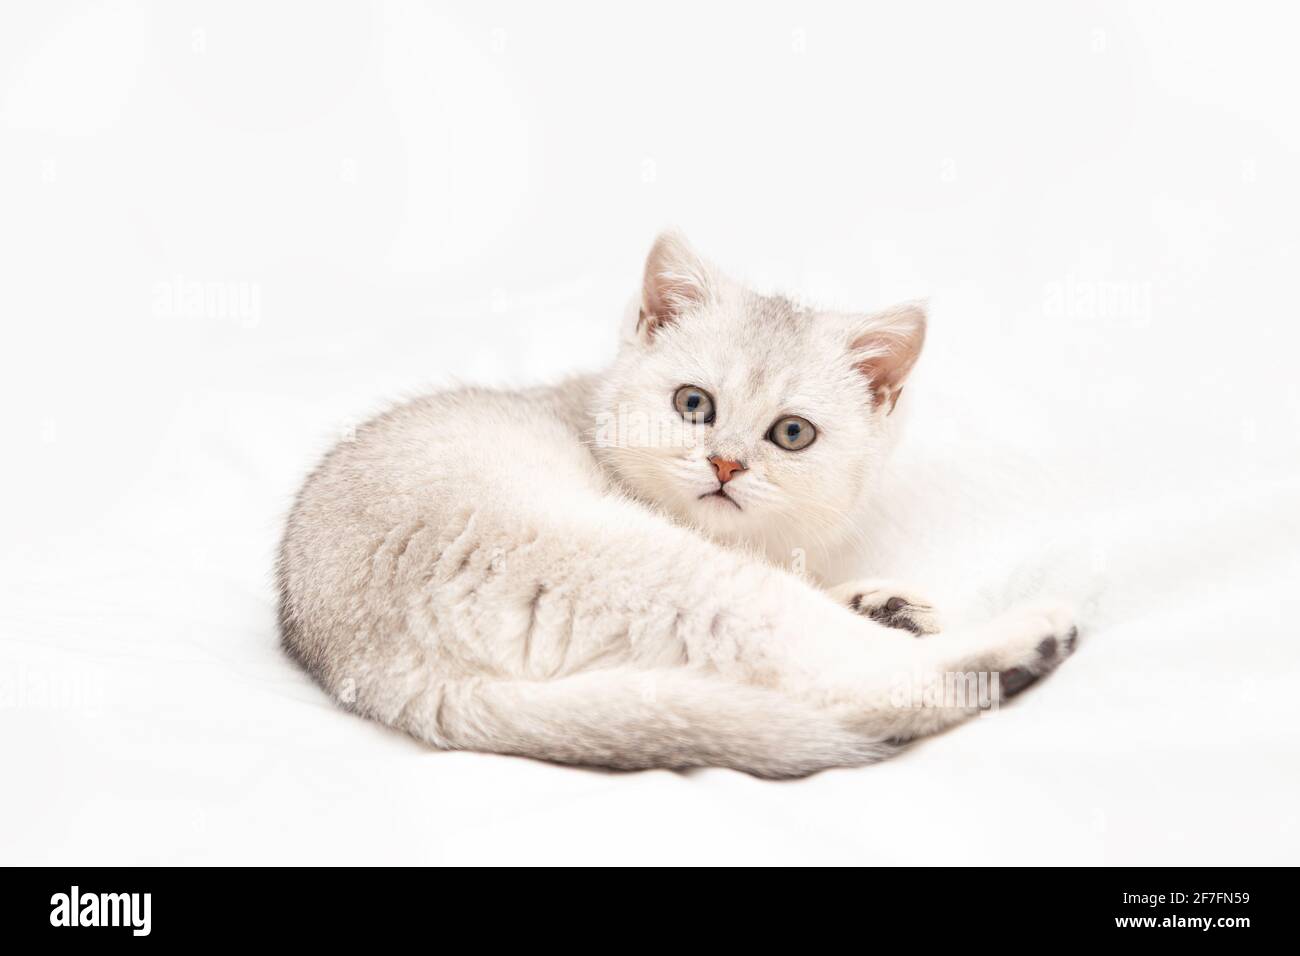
x: 725, y: 467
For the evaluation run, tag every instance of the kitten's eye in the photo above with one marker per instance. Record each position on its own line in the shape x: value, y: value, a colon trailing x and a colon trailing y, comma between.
x: 792, y: 433
x: 694, y: 404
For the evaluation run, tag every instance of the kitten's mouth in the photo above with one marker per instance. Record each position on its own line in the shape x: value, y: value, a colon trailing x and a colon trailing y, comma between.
x: 721, y: 493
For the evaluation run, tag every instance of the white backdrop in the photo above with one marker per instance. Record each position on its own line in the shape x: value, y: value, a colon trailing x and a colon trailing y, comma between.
x: 230, y: 230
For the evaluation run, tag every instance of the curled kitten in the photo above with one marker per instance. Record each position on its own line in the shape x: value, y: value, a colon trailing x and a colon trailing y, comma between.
x: 589, y: 572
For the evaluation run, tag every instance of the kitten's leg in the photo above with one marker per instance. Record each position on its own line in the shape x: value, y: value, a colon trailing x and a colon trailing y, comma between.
x: 890, y: 604
x: 956, y: 675
x: 886, y: 682
x: 676, y: 717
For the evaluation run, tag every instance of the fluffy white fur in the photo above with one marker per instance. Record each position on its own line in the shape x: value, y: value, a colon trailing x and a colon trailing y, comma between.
x: 547, y: 572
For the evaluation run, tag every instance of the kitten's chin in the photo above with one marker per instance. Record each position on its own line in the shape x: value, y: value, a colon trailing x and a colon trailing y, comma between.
x: 721, y: 516
x: 721, y: 499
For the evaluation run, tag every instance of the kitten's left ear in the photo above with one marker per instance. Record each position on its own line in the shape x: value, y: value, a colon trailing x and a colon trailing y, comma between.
x: 885, y: 346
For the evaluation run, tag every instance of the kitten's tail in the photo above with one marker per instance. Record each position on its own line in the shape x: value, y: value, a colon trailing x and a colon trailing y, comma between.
x: 638, y: 719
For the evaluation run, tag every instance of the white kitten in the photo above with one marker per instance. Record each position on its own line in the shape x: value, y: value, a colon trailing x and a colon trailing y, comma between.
x: 590, y: 573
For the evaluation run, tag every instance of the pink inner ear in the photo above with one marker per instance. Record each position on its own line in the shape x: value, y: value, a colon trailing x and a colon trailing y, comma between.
x: 887, y: 349
x: 675, y: 280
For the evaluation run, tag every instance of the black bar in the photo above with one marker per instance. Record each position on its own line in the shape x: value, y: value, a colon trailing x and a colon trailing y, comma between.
x: 358, y: 906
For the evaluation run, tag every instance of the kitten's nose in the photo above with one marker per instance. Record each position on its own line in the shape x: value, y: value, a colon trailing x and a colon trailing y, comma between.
x: 725, y: 467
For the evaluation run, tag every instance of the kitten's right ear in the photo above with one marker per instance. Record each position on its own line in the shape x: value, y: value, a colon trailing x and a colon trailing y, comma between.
x: 885, y: 346
x: 676, y: 281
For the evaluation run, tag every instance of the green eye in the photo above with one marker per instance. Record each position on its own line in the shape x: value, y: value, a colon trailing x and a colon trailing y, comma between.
x: 792, y: 433
x: 694, y: 404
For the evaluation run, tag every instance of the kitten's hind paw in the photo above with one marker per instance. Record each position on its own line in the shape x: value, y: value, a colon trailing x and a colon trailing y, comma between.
x: 888, y: 604
x: 1024, y: 645
x: 1047, y: 655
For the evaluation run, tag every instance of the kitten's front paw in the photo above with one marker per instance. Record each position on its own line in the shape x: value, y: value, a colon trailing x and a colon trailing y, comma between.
x: 888, y: 604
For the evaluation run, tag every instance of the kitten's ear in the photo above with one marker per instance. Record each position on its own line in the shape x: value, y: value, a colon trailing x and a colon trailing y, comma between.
x: 885, y: 346
x: 676, y: 280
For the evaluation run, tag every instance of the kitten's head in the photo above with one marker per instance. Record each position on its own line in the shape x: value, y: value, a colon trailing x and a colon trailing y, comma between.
x: 750, y: 417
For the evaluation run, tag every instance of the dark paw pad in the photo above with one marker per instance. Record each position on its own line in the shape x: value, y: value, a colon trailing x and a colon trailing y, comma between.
x: 894, y: 612
x: 1015, y: 680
